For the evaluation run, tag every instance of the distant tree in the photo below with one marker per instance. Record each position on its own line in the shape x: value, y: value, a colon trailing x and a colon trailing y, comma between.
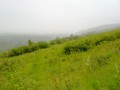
x: 71, y: 36
x: 30, y: 42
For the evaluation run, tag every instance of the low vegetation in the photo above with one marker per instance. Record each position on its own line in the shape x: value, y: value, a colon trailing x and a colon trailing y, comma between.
x: 31, y: 47
x: 85, y: 63
x: 63, y: 40
x: 86, y: 43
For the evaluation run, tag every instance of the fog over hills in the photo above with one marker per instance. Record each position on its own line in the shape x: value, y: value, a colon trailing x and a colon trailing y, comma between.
x: 98, y: 29
x: 8, y: 41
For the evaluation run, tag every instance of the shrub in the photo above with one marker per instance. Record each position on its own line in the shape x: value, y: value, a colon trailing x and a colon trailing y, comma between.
x: 43, y: 44
x: 99, y: 61
x: 63, y: 40
x: 14, y: 52
x: 24, y: 49
x: 82, y: 46
x: 33, y: 47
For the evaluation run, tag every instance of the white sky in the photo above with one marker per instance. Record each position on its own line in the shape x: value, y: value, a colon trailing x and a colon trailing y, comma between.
x: 56, y: 16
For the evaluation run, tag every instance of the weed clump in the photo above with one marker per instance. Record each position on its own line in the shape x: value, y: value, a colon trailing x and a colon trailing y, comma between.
x: 81, y: 46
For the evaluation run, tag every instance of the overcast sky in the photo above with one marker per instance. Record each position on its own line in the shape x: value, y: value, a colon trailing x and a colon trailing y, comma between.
x: 56, y: 16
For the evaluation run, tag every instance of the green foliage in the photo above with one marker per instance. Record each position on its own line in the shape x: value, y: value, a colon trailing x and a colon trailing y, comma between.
x: 88, y: 67
x: 26, y: 49
x: 30, y: 42
x: 43, y: 44
x: 63, y: 40
x: 83, y: 45
x: 98, y: 61
x: 86, y: 43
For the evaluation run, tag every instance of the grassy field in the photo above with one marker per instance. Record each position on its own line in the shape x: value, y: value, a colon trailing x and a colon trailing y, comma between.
x: 90, y: 63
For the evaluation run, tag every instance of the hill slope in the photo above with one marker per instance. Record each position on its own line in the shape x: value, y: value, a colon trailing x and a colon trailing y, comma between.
x: 99, y: 29
x: 94, y: 68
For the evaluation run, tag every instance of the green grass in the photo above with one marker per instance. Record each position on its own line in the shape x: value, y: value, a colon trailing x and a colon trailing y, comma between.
x: 98, y: 68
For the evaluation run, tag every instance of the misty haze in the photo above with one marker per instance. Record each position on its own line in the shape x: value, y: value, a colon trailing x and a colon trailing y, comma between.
x: 56, y: 16
x: 48, y: 17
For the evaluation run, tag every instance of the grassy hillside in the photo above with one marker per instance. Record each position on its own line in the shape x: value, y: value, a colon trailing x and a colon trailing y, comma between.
x: 88, y: 63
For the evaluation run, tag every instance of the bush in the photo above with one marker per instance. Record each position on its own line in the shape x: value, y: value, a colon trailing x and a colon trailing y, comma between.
x: 99, y: 61
x: 13, y: 52
x: 33, y: 47
x: 18, y: 51
x: 82, y: 46
x: 63, y: 40
x: 43, y: 44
